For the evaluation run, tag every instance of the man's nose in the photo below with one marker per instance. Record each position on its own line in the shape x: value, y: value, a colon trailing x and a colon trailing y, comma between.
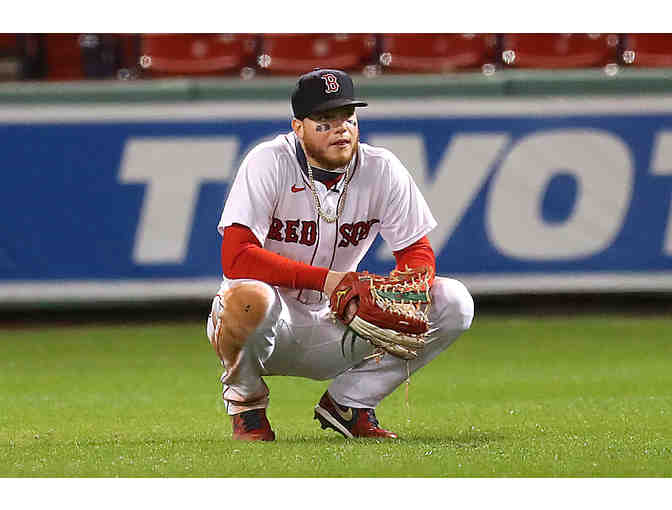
x: 339, y: 125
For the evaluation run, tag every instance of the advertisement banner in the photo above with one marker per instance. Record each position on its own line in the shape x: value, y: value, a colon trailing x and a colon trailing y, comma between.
x: 106, y: 202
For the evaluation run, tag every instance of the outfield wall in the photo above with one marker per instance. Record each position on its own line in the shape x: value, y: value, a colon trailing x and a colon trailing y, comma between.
x: 113, y: 191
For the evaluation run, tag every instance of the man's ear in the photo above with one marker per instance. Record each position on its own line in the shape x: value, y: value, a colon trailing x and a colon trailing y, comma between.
x: 297, y: 127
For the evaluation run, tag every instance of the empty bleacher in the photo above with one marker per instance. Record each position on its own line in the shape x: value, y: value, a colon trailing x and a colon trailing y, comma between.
x: 68, y: 57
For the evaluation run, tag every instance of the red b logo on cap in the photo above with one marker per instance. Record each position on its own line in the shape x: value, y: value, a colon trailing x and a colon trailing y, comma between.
x: 331, y: 83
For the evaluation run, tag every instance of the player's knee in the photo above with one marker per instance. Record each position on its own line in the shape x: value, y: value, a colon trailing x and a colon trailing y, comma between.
x: 242, y: 308
x: 457, y: 302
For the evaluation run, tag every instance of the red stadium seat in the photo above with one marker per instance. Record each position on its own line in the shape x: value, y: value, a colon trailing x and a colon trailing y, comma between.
x: 68, y: 56
x: 196, y: 54
x: 8, y: 44
x: 63, y: 56
x: 9, y: 57
x: 300, y: 53
x: 435, y: 53
x: 555, y: 51
x: 648, y: 50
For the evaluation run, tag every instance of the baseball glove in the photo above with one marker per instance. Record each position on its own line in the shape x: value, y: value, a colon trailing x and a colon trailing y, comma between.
x: 392, y: 312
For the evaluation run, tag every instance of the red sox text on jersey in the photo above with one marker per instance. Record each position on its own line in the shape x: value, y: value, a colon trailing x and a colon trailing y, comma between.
x: 305, y: 232
x: 381, y: 197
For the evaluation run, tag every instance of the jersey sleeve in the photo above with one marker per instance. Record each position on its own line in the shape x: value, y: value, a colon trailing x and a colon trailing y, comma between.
x: 253, y: 193
x: 406, y: 217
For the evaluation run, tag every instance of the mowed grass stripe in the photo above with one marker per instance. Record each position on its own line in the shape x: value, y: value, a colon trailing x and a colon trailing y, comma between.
x: 587, y: 396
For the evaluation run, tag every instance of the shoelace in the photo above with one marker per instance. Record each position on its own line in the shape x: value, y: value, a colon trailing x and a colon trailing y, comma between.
x: 371, y: 416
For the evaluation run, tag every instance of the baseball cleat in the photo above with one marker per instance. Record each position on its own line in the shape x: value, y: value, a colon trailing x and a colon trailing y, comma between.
x: 349, y: 421
x: 252, y: 426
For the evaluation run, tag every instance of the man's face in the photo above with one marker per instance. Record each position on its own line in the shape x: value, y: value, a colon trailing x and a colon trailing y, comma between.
x: 329, y: 138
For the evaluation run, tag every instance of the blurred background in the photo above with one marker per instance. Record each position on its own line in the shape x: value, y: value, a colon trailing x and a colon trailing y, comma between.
x: 546, y: 159
x: 58, y: 57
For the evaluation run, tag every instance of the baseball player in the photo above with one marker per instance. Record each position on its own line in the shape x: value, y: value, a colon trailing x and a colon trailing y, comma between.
x: 302, y: 211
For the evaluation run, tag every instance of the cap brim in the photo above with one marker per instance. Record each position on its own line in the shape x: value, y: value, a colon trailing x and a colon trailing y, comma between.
x: 337, y: 103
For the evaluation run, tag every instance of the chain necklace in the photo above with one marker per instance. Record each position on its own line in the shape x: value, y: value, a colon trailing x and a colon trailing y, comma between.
x: 341, y: 200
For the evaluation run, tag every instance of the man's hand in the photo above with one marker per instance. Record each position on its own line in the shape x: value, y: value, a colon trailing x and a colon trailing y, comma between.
x: 392, y: 312
x: 331, y: 281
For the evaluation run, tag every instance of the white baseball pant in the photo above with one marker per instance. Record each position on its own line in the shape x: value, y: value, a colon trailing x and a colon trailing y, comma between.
x: 299, y: 340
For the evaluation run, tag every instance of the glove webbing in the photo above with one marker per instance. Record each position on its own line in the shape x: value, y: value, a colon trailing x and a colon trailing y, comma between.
x: 405, y: 297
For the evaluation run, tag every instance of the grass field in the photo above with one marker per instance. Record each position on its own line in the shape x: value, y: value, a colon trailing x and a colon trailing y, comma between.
x: 539, y: 397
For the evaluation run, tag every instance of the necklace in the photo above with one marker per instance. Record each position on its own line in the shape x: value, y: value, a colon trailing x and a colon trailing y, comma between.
x: 341, y: 200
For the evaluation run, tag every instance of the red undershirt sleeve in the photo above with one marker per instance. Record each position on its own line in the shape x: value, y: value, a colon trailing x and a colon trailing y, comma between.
x: 244, y: 257
x: 419, y: 254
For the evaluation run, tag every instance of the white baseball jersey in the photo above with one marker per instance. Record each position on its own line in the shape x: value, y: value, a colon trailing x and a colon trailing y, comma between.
x: 271, y: 195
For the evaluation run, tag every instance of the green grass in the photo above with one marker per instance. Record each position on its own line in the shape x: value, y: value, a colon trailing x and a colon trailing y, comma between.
x: 549, y: 397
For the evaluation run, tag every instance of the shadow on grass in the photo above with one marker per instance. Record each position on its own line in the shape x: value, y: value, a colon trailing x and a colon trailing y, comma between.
x: 465, y: 440
x: 470, y: 439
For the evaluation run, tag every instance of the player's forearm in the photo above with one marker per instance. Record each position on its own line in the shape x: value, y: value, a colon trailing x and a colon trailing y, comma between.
x: 417, y: 255
x: 243, y: 257
x: 263, y: 265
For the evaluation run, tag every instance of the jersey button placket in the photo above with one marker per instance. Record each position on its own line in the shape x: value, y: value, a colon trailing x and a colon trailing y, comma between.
x: 328, y: 232
x: 330, y: 201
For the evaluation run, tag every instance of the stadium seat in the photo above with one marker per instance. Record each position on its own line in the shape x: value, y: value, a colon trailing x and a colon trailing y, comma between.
x: 300, y: 53
x: 555, y: 51
x: 648, y: 50
x: 105, y: 54
x: 9, y: 57
x: 165, y: 55
x: 127, y: 50
x: 71, y: 56
x: 124, y: 49
x: 63, y: 57
x: 435, y: 53
x: 8, y: 44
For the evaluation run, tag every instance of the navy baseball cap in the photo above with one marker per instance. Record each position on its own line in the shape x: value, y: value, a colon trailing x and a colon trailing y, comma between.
x: 321, y: 90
